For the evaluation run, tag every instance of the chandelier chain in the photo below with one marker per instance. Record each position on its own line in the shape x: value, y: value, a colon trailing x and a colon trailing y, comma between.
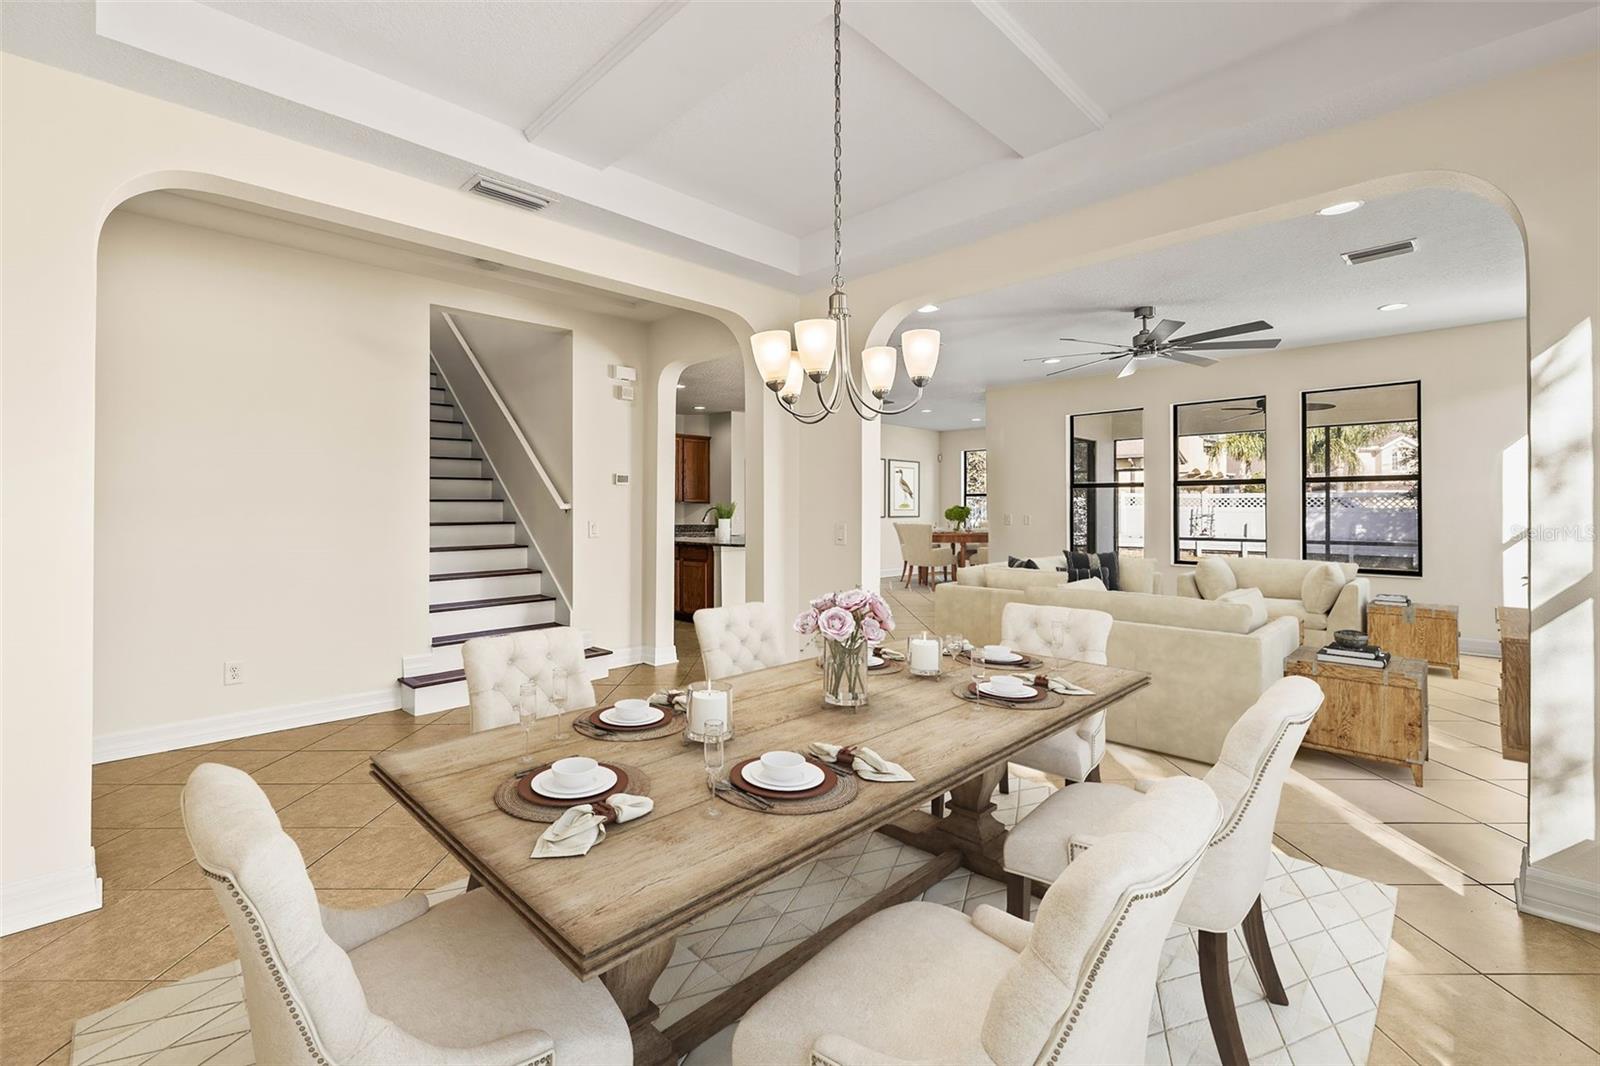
x: 838, y: 147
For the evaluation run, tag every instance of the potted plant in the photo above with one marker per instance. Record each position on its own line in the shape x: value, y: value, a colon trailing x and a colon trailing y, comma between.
x: 958, y: 515
x: 724, y: 513
x: 849, y: 623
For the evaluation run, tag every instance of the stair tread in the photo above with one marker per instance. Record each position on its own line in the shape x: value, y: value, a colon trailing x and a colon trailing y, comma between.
x: 474, y: 547
x: 458, y: 499
x: 484, y: 573
x: 445, y: 677
x: 484, y: 522
x: 493, y: 601
x: 458, y: 440
x: 459, y: 477
x: 446, y: 639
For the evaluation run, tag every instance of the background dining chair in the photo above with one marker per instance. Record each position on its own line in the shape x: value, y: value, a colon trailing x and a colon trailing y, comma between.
x: 739, y: 639
x: 463, y: 981
x: 498, y: 667
x: 1248, y: 781
x: 1061, y: 633
x: 922, y: 983
x: 919, y: 550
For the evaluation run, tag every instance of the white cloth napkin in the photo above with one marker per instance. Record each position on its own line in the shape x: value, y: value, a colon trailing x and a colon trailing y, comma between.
x: 890, y: 654
x: 676, y: 698
x: 1062, y: 687
x: 867, y: 763
x: 581, y: 828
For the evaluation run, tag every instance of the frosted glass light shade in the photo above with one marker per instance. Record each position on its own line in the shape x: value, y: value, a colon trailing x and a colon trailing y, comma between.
x: 879, y: 364
x: 772, y: 354
x: 921, y: 348
x: 790, y: 390
x: 816, y: 339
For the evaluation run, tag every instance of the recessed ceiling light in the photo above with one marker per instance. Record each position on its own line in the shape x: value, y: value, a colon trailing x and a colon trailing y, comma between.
x: 1344, y: 207
x: 928, y: 309
x: 1394, y: 307
x: 699, y: 407
x: 926, y: 411
x: 683, y: 386
x: 977, y: 420
x: 1052, y: 361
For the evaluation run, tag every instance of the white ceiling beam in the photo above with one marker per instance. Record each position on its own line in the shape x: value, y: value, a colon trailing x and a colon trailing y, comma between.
x: 962, y: 53
x: 1036, y: 54
x: 684, y: 55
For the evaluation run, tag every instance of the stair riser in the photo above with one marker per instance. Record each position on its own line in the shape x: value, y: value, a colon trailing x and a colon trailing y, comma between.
x: 455, y: 467
x: 434, y: 698
x: 467, y: 511
x: 447, y: 658
x: 450, y: 449
x: 488, y: 533
x: 484, y: 559
x: 443, y: 412
x: 444, y: 488
x: 438, y: 395
x: 480, y: 618
x: 447, y: 429
x: 485, y: 588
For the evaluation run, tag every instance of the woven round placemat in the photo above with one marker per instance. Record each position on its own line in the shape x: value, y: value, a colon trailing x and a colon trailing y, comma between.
x: 674, y: 725
x: 842, y: 793
x: 506, y: 798
x: 1049, y: 701
x: 891, y: 666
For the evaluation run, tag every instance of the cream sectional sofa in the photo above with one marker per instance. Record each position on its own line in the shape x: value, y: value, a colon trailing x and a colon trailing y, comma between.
x: 1206, y: 662
x: 1133, y: 575
x: 1282, y: 584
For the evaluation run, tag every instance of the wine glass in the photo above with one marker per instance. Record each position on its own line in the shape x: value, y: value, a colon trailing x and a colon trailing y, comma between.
x: 980, y: 668
x: 527, y: 711
x: 558, y: 697
x: 715, y: 757
x: 953, y: 643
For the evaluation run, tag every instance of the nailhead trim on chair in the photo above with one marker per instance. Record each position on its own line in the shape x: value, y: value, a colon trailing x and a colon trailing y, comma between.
x: 1255, y: 782
x: 272, y: 967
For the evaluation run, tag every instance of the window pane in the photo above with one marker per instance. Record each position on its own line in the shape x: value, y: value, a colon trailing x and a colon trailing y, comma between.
x: 1221, y: 520
x: 1108, y: 519
x: 977, y: 471
x: 1376, y: 525
x: 1360, y: 449
x: 980, y: 510
x: 1222, y: 439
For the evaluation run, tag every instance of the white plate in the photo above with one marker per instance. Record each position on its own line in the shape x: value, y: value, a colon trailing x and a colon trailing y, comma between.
x: 610, y: 717
x: 1015, y: 658
x: 813, y: 777
x: 1020, y: 692
x: 604, y: 778
x: 875, y: 662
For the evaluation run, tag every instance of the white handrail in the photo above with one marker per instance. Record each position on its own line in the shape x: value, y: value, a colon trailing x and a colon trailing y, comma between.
x: 505, y: 412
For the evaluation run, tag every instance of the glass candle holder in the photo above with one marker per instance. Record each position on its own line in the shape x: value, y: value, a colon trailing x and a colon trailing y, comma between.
x: 709, y: 701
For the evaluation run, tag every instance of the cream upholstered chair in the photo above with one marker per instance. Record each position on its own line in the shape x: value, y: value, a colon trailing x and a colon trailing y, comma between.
x: 1062, y: 633
x: 498, y: 667
x: 919, y: 551
x: 464, y: 981
x: 739, y: 639
x: 922, y: 983
x: 1248, y: 780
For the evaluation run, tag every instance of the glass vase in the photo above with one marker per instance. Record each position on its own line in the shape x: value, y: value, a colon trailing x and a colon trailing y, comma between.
x: 844, y: 673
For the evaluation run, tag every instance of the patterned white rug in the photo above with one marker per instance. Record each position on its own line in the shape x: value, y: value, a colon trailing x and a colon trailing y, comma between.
x: 1329, y: 932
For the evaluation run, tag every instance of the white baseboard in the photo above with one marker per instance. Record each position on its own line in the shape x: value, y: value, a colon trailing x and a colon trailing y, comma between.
x: 47, y: 898
x: 1558, y: 897
x: 1480, y: 646
x: 133, y: 742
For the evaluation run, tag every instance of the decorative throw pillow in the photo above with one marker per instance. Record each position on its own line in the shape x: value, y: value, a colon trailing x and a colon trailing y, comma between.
x: 1251, y: 598
x: 1021, y: 564
x: 1089, y: 584
x: 1109, y: 573
x: 1321, y: 587
x: 1074, y: 573
x: 1213, y: 577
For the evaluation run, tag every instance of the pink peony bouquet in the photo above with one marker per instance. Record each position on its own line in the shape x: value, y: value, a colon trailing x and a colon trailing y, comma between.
x: 847, y: 618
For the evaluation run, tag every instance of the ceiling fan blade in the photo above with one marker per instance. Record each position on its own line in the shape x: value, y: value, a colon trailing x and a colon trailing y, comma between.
x: 1226, y: 331
x: 1092, y: 362
x: 1164, y: 329
x: 1074, y: 355
x: 1321, y: 406
x: 1080, y: 340
x: 1185, y: 357
x: 1228, y: 346
x: 1129, y: 370
x: 1246, y: 410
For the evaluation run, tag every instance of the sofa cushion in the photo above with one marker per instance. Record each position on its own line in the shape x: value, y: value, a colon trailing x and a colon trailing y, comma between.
x: 1253, y: 599
x: 1021, y: 564
x: 1090, y: 583
x: 1213, y: 577
x: 1320, y: 588
x: 1004, y: 577
x: 1175, y: 611
x: 1285, y: 608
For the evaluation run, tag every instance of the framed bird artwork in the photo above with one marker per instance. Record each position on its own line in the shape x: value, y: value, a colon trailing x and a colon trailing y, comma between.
x: 902, y: 488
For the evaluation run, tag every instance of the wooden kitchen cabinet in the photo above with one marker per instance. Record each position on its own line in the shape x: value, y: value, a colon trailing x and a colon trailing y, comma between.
x: 695, y: 578
x: 693, y: 477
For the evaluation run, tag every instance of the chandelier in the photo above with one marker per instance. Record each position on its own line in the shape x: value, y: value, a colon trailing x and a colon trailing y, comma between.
x: 821, y: 346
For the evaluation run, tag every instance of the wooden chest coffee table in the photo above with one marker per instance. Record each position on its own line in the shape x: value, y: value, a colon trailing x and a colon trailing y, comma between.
x: 1368, y: 713
x: 1427, y: 631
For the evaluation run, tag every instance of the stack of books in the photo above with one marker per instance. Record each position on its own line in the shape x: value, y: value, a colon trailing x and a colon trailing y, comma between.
x: 1394, y: 599
x: 1371, y: 656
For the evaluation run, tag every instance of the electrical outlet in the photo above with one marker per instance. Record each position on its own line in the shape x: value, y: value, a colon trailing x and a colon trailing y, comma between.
x: 233, y: 673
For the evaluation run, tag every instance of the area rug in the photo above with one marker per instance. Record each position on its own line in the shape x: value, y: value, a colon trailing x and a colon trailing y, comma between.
x: 1329, y: 932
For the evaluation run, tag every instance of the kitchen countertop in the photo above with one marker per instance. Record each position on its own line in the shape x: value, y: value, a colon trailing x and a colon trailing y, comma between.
x: 708, y: 540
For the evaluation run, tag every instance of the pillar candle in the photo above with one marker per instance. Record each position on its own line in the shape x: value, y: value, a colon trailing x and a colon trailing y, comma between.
x: 924, y: 655
x: 708, y: 705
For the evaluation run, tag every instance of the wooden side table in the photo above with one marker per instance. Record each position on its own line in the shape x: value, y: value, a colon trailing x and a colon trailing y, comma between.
x: 1366, y: 712
x: 1515, y: 733
x: 1427, y: 631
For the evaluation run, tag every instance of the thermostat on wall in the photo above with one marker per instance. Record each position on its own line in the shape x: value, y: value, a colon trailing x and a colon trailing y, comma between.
x: 623, y: 393
x: 623, y: 373
x: 620, y: 479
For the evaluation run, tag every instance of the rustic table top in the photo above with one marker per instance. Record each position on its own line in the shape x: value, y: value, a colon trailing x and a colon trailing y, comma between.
x: 651, y: 877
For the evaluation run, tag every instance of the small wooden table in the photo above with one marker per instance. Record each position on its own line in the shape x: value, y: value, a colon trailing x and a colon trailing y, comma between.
x: 1427, y: 631
x: 961, y: 538
x: 1366, y: 712
x: 617, y: 911
x: 1515, y: 725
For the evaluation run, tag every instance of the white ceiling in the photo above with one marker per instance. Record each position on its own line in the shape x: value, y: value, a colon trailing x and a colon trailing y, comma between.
x: 1468, y: 268
x: 702, y: 128
x: 716, y: 385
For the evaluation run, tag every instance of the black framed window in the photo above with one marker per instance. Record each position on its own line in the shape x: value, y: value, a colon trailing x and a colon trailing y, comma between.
x: 1219, y: 488
x: 1106, y: 492
x: 975, y: 484
x: 1363, y: 477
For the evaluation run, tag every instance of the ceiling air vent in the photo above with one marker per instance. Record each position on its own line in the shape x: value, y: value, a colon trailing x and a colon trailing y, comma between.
x: 505, y: 192
x: 1383, y: 251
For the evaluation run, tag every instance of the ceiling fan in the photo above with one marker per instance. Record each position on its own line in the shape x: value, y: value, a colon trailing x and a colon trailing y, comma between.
x: 1260, y: 408
x: 1159, y: 343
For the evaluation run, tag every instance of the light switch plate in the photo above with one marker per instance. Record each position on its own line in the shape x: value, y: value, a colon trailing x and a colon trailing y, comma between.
x: 841, y: 533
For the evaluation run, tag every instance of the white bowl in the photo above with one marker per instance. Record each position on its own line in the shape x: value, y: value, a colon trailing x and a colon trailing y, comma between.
x: 634, y: 712
x: 783, y: 767
x: 574, y: 772
x: 1008, y: 683
x: 998, y: 653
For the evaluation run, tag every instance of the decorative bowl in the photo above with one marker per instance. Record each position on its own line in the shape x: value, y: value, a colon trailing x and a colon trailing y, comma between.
x: 1350, y: 638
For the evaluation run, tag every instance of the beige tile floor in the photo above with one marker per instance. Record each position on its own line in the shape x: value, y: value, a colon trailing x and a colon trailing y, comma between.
x: 1468, y: 978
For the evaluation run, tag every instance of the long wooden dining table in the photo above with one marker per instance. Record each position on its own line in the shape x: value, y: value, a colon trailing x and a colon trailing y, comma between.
x: 617, y: 911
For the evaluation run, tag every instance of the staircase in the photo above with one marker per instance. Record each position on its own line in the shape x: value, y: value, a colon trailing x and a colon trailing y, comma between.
x: 480, y: 581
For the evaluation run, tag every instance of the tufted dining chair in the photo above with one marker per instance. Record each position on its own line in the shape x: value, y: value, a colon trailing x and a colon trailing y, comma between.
x: 924, y: 983
x: 739, y: 639
x: 1248, y: 780
x: 1062, y: 633
x: 919, y: 551
x: 461, y: 981
x: 498, y: 667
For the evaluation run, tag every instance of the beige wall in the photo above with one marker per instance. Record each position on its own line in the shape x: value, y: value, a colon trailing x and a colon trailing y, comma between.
x: 922, y: 445
x: 951, y: 444
x: 1474, y: 410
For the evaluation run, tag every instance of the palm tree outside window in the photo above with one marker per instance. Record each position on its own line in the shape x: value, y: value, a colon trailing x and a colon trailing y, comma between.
x: 1220, y: 478
x: 1363, y: 477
